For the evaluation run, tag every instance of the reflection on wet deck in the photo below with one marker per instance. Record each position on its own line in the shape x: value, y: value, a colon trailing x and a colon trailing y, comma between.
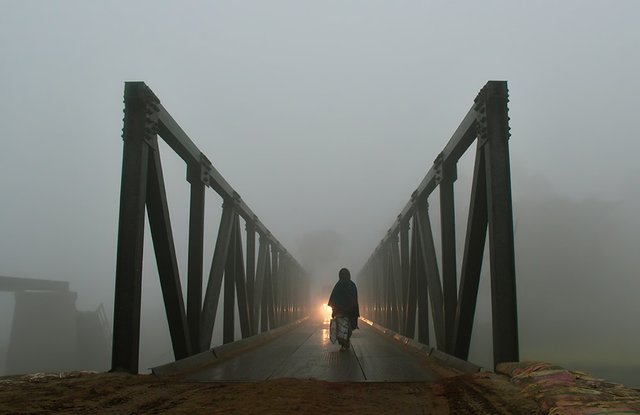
x: 306, y: 352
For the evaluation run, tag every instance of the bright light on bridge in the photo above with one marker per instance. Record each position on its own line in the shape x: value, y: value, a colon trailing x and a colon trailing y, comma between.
x: 325, y: 312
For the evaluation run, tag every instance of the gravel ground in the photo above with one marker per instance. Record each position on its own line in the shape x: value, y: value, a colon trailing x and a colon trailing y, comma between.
x: 115, y: 393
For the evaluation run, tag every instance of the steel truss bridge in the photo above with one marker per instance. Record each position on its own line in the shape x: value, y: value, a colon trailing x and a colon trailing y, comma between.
x: 401, y: 286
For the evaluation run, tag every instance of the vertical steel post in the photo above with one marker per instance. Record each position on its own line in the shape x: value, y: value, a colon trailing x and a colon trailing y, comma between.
x: 422, y: 287
x: 251, y: 270
x: 290, y: 285
x: 196, y: 249
x: 274, y: 288
x: 494, y: 131
x: 378, y: 288
x: 284, y: 290
x: 412, y: 290
x: 266, y: 321
x: 382, y: 290
x: 258, y: 295
x: 388, y: 286
x: 405, y: 270
x: 229, y: 304
x: 140, y: 125
x: 241, y: 286
x: 448, y: 238
x: 396, y: 283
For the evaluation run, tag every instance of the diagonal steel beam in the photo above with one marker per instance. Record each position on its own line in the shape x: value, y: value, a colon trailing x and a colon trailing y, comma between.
x: 422, y: 286
x: 165, y: 253
x: 412, y: 286
x: 259, y: 284
x: 212, y: 295
x: 433, y: 275
x: 472, y: 260
x: 229, y: 303
x: 241, y: 285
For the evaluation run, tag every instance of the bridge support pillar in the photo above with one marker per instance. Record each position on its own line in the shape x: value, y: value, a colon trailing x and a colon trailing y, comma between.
x: 494, y: 132
x: 138, y: 127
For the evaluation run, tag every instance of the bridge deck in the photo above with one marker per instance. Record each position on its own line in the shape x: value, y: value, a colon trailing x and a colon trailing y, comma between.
x: 306, y: 352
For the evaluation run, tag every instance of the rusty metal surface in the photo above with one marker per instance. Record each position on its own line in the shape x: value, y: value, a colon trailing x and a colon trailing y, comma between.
x: 307, y: 353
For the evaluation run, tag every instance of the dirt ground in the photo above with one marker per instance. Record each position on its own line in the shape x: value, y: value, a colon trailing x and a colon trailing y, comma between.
x: 113, y: 393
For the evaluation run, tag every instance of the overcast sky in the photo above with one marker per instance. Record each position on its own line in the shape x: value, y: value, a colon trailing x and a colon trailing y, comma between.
x: 325, y: 116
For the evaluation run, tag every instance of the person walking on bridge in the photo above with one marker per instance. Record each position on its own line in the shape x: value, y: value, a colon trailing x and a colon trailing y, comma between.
x: 345, y: 309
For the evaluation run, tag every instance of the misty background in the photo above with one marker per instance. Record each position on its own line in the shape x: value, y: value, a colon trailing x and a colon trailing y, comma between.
x: 325, y: 116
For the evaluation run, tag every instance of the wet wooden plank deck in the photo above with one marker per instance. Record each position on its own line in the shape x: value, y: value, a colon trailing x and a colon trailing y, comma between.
x: 306, y: 353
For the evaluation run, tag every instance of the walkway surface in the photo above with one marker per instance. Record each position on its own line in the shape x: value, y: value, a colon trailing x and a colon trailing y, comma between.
x: 307, y: 353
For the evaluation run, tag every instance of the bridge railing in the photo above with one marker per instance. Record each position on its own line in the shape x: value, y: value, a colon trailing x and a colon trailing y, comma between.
x: 272, y: 289
x: 402, y: 275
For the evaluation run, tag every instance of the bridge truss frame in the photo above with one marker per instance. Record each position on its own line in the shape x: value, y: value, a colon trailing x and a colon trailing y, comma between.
x: 270, y: 292
x: 402, y: 275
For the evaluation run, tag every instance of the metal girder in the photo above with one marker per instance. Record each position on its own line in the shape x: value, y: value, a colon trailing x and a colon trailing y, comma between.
x: 396, y: 283
x: 433, y: 275
x: 462, y: 138
x: 229, y: 304
x: 389, y: 298
x: 286, y: 288
x: 382, y: 301
x: 234, y: 285
x: 374, y: 293
x: 196, y: 256
x: 180, y: 142
x: 259, y: 284
x: 143, y: 185
x: 133, y: 189
x: 491, y: 207
x: 412, y: 286
x: 241, y: 286
x: 472, y: 260
x: 447, y: 176
x: 266, y: 309
x: 165, y: 253
x: 273, y: 289
x: 493, y: 122
x: 422, y: 286
x: 251, y: 272
x: 212, y: 295
x: 405, y: 266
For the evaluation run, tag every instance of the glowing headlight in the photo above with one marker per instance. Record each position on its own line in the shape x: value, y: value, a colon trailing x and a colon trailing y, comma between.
x: 326, y: 312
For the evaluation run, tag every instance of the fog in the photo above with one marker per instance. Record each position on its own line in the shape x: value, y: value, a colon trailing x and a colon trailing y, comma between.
x: 325, y: 116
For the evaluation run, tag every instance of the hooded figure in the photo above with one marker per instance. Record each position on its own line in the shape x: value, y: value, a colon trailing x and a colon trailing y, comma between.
x: 344, y: 302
